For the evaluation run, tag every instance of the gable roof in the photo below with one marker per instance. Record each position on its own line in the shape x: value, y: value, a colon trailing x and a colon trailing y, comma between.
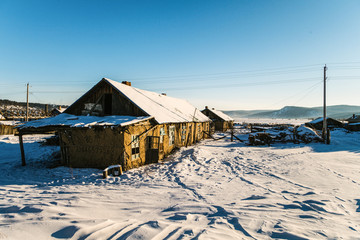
x: 320, y: 119
x: 163, y: 108
x: 221, y: 115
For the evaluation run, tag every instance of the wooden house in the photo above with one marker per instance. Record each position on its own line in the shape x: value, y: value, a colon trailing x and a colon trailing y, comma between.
x: 115, y: 123
x: 221, y: 121
x: 318, y: 123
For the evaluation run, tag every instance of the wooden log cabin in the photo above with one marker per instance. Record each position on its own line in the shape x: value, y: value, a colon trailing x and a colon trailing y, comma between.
x: 115, y: 123
x: 221, y: 121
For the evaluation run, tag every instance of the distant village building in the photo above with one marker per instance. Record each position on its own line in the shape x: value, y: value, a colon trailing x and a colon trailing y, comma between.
x: 318, y: 123
x: 353, y: 123
x: 114, y: 123
x: 353, y: 119
x: 57, y: 111
x: 221, y: 121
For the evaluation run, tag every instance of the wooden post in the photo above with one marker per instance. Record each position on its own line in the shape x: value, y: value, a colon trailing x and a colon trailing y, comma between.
x: 232, y: 134
x: 23, y: 163
x: 324, y: 130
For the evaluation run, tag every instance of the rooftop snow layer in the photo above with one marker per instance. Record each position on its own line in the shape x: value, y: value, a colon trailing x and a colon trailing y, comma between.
x: 163, y: 108
x: 320, y: 119
x: 83, y: 121
x: 221, y: 115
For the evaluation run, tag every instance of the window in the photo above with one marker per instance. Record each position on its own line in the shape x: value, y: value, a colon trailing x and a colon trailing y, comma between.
x: 171, y: 135
x: 135, y: 147
x: 183, y: 133
x: 162, y: 134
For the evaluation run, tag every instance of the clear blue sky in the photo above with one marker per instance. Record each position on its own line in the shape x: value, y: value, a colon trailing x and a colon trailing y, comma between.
x: 224, y: 54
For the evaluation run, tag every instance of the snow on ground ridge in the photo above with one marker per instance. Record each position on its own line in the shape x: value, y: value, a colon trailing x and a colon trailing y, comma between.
x: 213, y: 190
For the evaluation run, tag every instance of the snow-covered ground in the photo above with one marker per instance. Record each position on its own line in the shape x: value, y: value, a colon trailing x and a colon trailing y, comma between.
x: 213, y: 190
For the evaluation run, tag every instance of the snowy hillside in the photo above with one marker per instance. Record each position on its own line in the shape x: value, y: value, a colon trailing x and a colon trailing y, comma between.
x: 293, y: 112
x: 213, y: 190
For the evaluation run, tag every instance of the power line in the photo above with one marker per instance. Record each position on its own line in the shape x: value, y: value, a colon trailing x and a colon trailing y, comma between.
x: 62, y: 92
x: 275, y: 82
x: 307, y: 91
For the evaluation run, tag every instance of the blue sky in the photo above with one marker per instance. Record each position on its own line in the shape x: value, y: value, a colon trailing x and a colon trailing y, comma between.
x: 224, y: 54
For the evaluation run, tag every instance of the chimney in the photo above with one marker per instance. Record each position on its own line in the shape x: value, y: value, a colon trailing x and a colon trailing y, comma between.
x: 206, y: 107
x: 59, y: 107
x: 164, y: 94
x: 126, y: 83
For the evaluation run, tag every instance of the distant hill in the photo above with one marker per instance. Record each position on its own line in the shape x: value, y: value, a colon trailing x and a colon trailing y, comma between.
x: 293, y: 112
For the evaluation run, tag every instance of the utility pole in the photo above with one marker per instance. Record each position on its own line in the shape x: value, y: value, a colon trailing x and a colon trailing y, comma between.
x: 325, y: 130
x: 27, y: 103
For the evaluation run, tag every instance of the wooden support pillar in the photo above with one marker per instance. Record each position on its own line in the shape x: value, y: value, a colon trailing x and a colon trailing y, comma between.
x: 22, y: 150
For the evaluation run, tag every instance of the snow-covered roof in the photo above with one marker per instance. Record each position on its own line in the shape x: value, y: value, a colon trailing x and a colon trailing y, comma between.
x: 221, y: 115
x: 320, y: 119
x: 61, y: 109
x: 69, y: 120
x: 1, y: 117
x: 163, y: 108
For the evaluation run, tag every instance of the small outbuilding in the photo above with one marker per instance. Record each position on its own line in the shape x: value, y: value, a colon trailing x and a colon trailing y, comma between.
x: 355, y: 118
x: 116, y: 124
x: 353, y: 123
x: 318, y: 123
x: 221, y: 121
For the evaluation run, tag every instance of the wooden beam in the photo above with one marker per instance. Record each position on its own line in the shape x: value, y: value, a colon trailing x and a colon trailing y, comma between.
x: 23, y: 163
x: 209, y: 135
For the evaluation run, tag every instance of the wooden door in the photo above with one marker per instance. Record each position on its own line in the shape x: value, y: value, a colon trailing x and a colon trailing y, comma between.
x: 152, y: 149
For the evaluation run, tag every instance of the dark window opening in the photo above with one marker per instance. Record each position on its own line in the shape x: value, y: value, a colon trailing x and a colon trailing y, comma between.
x: 135, y: 151
x: 108, y: 104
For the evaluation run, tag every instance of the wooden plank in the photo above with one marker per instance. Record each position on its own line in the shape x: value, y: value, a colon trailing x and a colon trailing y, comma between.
x: 238, y: 138
x: 209, y: 135
x: 23, y: 163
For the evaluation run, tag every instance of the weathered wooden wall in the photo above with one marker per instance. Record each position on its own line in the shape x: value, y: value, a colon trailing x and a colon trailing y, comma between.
x: 7, y: 129
x: 141, y: 130
x: 194, y: 133
x: 102, y: 147
x: 92, y: 147
x: 223, y: 126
